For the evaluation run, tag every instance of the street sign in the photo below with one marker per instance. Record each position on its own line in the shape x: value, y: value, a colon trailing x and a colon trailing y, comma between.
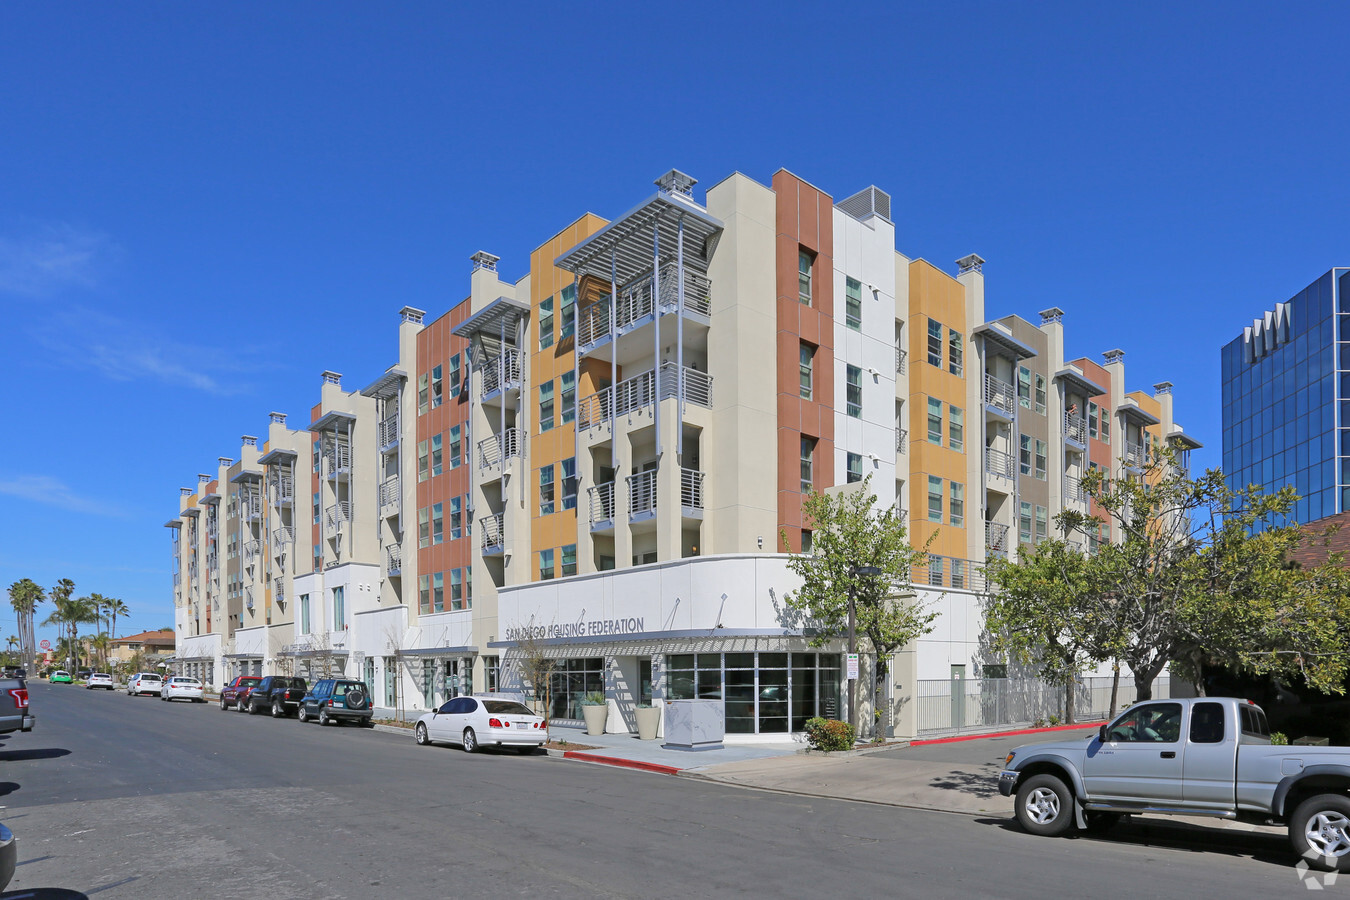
x: 46, y: 645
x: 852, y: 667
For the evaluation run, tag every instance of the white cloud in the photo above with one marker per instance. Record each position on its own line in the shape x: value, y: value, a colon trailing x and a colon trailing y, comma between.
x: 54, y: 257
x: 53, y: 492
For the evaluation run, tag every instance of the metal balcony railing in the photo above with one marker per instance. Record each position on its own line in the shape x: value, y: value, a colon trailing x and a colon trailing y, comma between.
x: 900, y: 356
x: 282, y: 538
x: 593, y: 409
x: 1136, y: 455
x: 996, y: 462
x: 1075, y: 429
x: 636, y: 393
x: 695, y: 386
x: 248, y: 597
x: 251, y: 509
x: 999, y: 394
x: 502, y: 372
x: 691, y: 489
x: 337, y: 515
x: 1073, y: 490
x: 251, y: 550
x: 337, y: 458
x: 283, y: 491
x: 642, y: 493
x: 602, y: 503
x: 636, y: 301
x: 390, y: 492
x: 497, y: 448
x: 279, y: 591
x: 388, y: 432
x: 901, y: 438
x: 996, y: 538
x: 593, y: 323
x: 490, y: 532
x: 393, y: 560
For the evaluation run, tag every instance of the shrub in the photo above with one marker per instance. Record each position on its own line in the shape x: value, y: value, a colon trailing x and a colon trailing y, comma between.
x: 1039, y: 723
x: 1279, y: 738
x: 594, y: 698
x: 1054, y: 720
x: 829, y: 734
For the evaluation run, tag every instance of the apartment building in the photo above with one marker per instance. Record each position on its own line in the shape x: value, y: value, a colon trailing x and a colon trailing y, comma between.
x: 607, y: 457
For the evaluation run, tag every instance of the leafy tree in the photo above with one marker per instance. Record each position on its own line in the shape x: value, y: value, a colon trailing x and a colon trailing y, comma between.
x: 536, y: 668
x: 849, y: 532
x: 69, y: 615
x: 24, y: 597
x: 101, y: 644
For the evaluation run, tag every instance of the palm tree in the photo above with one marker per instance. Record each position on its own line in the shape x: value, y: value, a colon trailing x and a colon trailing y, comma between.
x: 10, y: 643
x: 115, y: 608
x: 24, y: 596
x: 69, y: 615
x: 61, y: 591
x: 102, y: 643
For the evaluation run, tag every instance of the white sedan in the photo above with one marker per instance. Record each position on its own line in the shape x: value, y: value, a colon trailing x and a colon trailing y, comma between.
x: 99, y: 680
x: 181, y: 688
x: 474, y: 722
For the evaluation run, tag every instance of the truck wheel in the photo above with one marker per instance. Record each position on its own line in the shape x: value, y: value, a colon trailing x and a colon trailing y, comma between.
x: 1044, y: 806
x: 302, y: 714
x: 1319, y: 831
x: 278, y: 711
x: 323, y: 717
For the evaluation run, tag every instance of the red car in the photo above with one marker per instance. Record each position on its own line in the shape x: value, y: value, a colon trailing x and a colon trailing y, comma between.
x: 236, y: 692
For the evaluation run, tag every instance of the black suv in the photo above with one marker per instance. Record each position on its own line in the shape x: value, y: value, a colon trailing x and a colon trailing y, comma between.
x: 278, y: 693
x: 336, y: 699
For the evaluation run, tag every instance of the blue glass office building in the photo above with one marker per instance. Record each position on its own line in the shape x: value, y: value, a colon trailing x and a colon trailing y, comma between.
x: 1286, y: 399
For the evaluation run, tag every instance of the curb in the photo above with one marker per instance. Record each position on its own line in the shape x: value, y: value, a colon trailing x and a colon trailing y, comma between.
x: 619, y: 762
x: 823, y: 796
x: 392, y: 729
x: 996, y: 734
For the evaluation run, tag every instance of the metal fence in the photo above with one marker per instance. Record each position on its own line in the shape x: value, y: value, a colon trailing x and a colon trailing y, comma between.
x: 952, y: 706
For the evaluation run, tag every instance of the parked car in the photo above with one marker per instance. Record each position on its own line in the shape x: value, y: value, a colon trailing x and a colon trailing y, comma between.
x: 60, y: 676
x: 474, y: 722
x: 279, y: 693
x: 83, y: 674
x: 180, y: 687
x: 144, y: 683
x: 1207, y: 756
x: 99, y: 680
x: 337, y: 700
x: 14, y: 712
x: 237, y: 689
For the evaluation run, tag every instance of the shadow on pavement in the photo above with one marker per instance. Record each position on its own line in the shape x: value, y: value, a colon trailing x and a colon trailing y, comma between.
x: 44, y: 894
x: 8, y: 787
x: 981, y: 785
x: 36, y: 753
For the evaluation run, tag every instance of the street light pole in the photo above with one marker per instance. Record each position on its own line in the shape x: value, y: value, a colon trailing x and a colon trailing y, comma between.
x: 854, y: 572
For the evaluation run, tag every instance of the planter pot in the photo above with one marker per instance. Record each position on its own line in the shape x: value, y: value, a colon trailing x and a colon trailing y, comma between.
x: 648, y: 720
x: 595, y: 718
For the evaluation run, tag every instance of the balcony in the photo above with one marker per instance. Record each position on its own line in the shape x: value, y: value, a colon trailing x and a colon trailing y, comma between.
x: 999, y: 395
x: 248, y: 597
x: 282, y: 539
x: 637, y: 303
x: 691, y: 493
x: 388, y: 431
x: 337, y: 460
x: 338, y: 515
x: 283, y: 491
x: 1136, y: 455
x: 635, y: 394
x: 901, y: 439
x: 501, y: 373
x: 252, y: 549
x: 391, y: 496
x: 1073, y: 490
x: 491, y: 538
x: 642, y: 495
x: 279, y: 592
x: 900, y: 356
x: 593, y: 410
x: 602, y: 506
x: 996, y: 462
x: 1075, y: 430
x: 393, y: 561
x: 495, y: 450
x: 996, y: 538
x: 251, y: 509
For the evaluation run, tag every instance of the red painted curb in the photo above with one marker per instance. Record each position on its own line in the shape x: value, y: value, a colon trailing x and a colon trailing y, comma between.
x: 995, y: 734
x: 623, y: 763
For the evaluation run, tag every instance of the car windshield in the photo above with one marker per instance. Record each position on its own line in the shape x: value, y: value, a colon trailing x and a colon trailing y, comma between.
x: 506, y: 708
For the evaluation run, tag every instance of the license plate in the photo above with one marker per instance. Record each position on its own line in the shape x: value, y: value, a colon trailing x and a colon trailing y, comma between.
x: 522, y: 724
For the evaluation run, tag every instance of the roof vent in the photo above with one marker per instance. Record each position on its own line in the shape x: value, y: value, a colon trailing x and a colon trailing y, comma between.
x: 484, y: 260
x: 276, y: 418
x: 249, y: 440
x: 332, y: 378
x: 1114, y: 356
x: 1053, y: 314
x: 676, y: 182
x: 972, y: 263
x: 225, y: 461
x: 411, y: 314
x: 202, y: 478
x: 870, y: 201
x: 184, y: 492
x: 1162, y: 387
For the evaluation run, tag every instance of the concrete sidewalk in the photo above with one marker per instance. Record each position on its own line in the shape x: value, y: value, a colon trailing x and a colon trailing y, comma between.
x: 627, y: 751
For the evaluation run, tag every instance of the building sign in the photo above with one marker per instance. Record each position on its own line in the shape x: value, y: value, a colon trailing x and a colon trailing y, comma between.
x: 592, y: 628
x: 853, y: 667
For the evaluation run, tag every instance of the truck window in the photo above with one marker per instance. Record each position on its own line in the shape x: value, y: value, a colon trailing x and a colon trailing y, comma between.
x: 1207, y: 723
x: 1254, y: 722
x: 1152, y: 723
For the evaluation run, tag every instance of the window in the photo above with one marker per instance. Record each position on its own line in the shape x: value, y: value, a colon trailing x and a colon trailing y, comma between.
x: 456, y: 518
x: 316, y: 507
x: 1106, y: 427
x: 546, y: 323
x: 1092, y: 419
x: 438, y: 592
x: 1207, y: 723
x: 853, y: 393
x: 304, y: 613
x: 1024, y: 387
x: 546, y: 406
x: 454, y: 375
x: 1042, y: 523
x: 1154, y: 723
x: 437, y: 523
x: 958, y: 504
x: 436, y: 387
x: 569, y: 559
x: 421, y: 394
x: 853, y: 303
x: 955, y: 352
x: 546, y: 490
x: 468, y: 588
x: 804, y: 263
x: 806, y: 360
x: 934, y: 498
x: 424, y: 594
x: 956, y: 428
x: 808, y: 457
x: 569, y: 396
x: 454, y: 446
x: 423, y: 527
x: 491, y: 673
x: 934, y: 343
x: 1024, y: 454
x: 421, y: 460
x: 935, y: 566
x: 339, y: 608
x: 567, y: 311
x: 958, y: 573
x: 1024, y: 523
x: 1040, y: 394
x: 569, y: 483
x: 934, y: 421
x: 436, y: 457
x: 316, y: 457
x: 854, y: 463
x: 456, y: 589
x: 545, y: 565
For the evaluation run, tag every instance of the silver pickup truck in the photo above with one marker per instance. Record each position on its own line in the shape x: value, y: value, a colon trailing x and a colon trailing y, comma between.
x: 1197, y: 757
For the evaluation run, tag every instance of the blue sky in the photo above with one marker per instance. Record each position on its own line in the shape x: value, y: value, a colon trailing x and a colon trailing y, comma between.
x: 1162, y: 172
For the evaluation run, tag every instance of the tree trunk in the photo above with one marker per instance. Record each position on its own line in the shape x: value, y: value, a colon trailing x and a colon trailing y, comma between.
x: 1068, y: 700
x: 878, y: 699
x: 1115, y: 689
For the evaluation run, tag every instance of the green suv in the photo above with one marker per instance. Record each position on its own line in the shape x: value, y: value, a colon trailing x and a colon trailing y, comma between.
x: 337, y: 700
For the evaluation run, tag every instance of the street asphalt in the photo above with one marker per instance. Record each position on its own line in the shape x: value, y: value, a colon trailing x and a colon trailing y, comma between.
x: 120, y: 797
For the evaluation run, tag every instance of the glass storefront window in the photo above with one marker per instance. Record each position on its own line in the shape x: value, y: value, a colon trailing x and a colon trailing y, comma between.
x: 571, y: 682
x: 766, y: 693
